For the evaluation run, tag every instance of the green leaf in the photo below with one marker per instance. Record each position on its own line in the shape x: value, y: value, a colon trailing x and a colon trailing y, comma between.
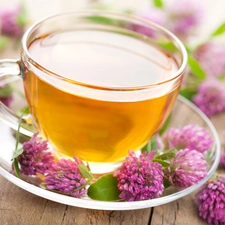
x: 101, y: 20
x: 18, y: 133
x: 151, y: 145
x: 147, y: 147
x: 15, y: 161
x: 162, y: 162
x: 6, y: 91
x: 208, y: 156
x: 17, y: 152
x: 16, y: 167
x: 26, y: 122
x: 196, y: 68
x: 220, y: 30
x: 168, y: 154
x: 188, y: 93
x: 168, y: 46
x: 188, y: 49
x: 25, y: 111
x: 3, y: 42
x: 22, y: 19
x: 85, y: 171
x: 222, y: 77
x: 104, y: 189
x: 158, y: 3
x: 166, y: 183
x: 165, y: 125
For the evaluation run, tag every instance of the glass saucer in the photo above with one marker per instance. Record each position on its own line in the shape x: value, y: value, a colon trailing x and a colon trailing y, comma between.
x: 183, y: 113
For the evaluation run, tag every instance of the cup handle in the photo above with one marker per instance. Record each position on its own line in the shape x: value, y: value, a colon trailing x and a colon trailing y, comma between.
x: 13, y: 69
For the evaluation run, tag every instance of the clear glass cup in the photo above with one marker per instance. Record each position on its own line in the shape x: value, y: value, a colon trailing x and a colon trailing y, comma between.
x: 97, y: 83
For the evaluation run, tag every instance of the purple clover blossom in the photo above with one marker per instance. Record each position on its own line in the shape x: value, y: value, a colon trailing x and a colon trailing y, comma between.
x: 211, y: 201
x: 156, y: 16
x: 191, y: 136
x: 65, y: 177
x: 139, y: 178
x: 210, y: 97
x: 213, y: 53
x: 184, y: 16
x: 9, y: 24
x: 188, y: 167
x: 6, y: 100
x: 35, y: 157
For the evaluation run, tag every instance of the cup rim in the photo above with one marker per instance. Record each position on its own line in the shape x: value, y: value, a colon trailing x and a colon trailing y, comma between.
x: 180, y: 45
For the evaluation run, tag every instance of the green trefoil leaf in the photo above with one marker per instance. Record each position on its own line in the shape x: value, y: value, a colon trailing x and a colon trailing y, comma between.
x: 104, y: 189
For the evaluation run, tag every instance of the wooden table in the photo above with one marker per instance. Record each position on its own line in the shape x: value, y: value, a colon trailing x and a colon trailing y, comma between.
x: 18, y: 207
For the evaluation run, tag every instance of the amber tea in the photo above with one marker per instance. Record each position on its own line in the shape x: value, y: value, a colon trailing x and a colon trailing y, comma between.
x: 114, y: 112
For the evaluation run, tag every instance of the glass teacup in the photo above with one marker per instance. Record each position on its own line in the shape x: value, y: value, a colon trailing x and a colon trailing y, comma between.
x: 96, y: 85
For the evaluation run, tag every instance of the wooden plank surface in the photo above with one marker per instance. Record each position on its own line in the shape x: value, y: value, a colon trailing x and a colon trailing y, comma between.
x: 18, y: 207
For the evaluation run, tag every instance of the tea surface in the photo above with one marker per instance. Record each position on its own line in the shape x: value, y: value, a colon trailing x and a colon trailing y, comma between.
x: 93, y: 129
